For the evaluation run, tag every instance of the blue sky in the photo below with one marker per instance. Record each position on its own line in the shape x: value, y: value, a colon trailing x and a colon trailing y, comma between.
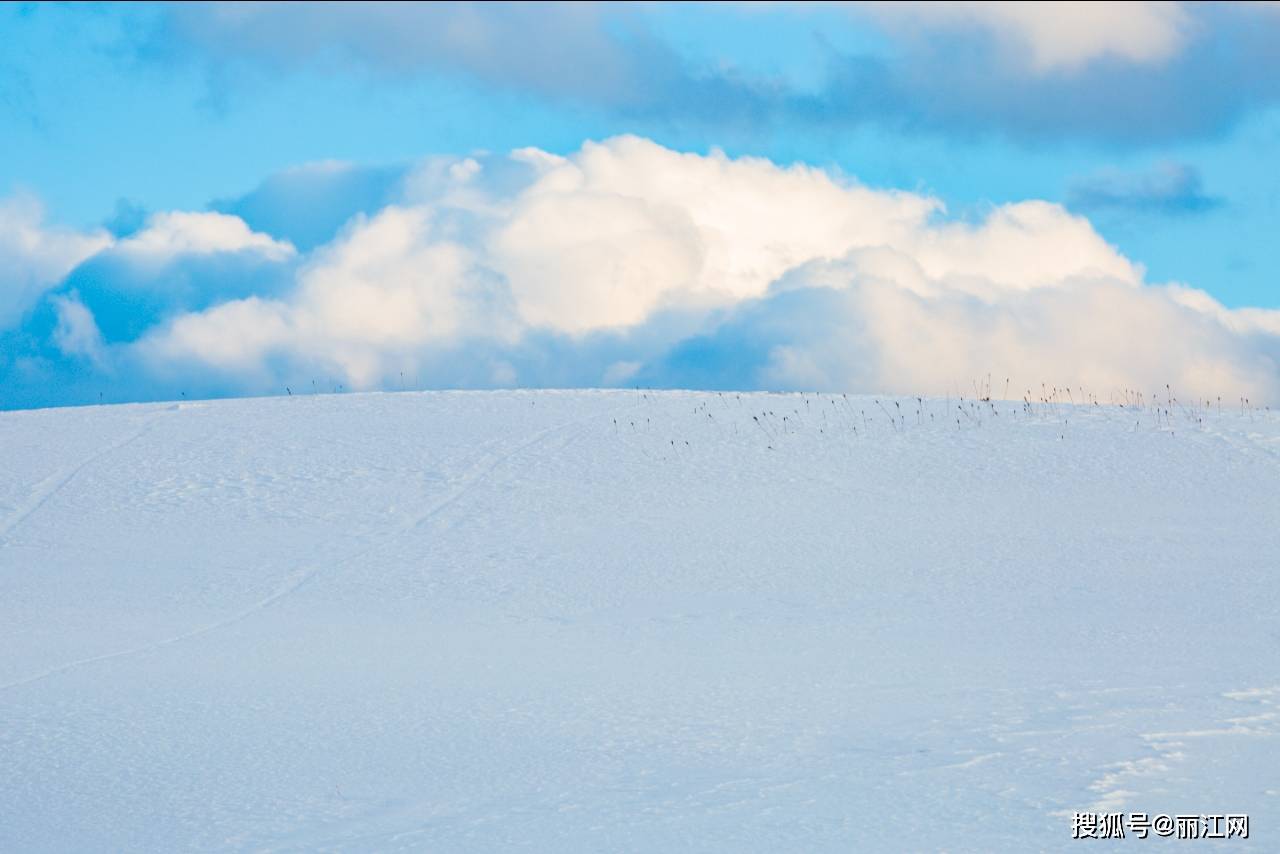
x: 1159, y: 125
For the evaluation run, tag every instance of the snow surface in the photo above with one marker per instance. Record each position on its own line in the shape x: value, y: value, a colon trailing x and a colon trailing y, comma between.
x: 598, y: 621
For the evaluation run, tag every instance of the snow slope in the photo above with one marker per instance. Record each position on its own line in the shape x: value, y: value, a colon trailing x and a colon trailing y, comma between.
x: 597, y: 621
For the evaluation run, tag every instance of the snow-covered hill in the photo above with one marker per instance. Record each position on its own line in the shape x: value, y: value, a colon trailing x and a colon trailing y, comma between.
x: 594, y: 621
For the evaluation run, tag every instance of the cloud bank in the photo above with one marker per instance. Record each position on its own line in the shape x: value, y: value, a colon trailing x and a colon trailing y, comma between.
x: 1124, y: 74
x: 624, y: 263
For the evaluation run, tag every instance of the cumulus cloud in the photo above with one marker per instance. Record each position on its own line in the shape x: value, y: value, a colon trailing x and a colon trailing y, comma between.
x: 1099, y: 334
x: 83, y: 298
x: 606, y: 237
x: 169, y: 235
x: 805, y: 277
x: 76, y: 333
x: 630, y: 263
x: 35, y: 256
x: 392, y: 286
x: 179, y: 261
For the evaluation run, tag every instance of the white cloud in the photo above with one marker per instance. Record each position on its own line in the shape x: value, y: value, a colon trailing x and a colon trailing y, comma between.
x: 621, y: 228
x: 235, y: 335
x: 388, y: 287
x: 1058, y: 36
x: 171, y: 234
x: 609, y: 257
x: 76, y: 333
x: 1018, y: 247
x: 35, y: 256
x: 1104, y: 335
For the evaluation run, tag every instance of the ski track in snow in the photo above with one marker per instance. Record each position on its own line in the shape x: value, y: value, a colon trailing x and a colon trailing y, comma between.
x: 476, y: 473
x: 483, y: 467
x: 696, y: 627
x: 52, y: 485
x: 295, y: 581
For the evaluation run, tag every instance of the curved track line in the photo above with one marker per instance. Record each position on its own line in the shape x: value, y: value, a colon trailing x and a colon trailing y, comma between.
x: 298, y: 578
x: 52, y: 485
x: 480, y: 470
x: 1250, y: 443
